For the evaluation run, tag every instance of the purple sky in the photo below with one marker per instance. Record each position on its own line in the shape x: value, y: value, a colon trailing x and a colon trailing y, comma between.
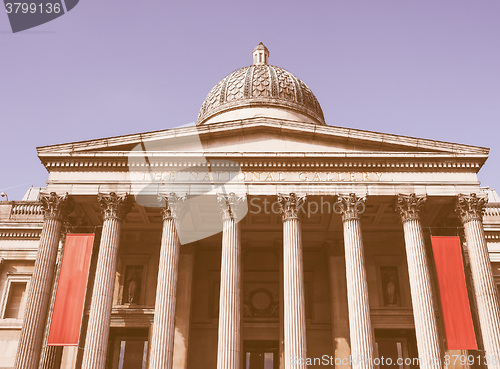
x: 426, y: 69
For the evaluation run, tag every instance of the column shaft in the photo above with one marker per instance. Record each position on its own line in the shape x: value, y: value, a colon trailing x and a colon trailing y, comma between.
x: 424, y: 315
x: 229, y: 344
x: 360, y: 326
x: 293, y: 282
x: 51, y: 355
x: 294, y: 302
x: 40, y: 286
x: 96, y: 342
x: 30, y: 344
x: 485, y: 290
x: 421, y: 297
x: 470, y: 211
x: 162, y: 342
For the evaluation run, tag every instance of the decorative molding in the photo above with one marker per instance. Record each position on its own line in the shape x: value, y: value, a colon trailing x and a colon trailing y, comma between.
x: 492, y: 210
x: 492, y: 237
x: 291, y: 204
x: 350, y: 206
x: 114, y: 206
x: 230, y: 204
x: 408, y: 206
x: 471, y: 207
x: 55, y: 206
x: 117, y: 163
x: 27, y: 208
x: 21, y: 234
x: 173, y: 205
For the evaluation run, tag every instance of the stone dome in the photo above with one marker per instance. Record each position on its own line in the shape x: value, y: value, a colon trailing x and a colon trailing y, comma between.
x: 261, y: 90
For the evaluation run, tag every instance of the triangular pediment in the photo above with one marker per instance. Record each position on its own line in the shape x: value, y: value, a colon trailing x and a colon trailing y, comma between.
x: 262, y: 136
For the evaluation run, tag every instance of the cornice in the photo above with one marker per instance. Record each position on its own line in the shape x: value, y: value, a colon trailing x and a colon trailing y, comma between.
x: 305, y: 129
x: 31, y: 234
x: 266, y: 161
x: 493, y: 237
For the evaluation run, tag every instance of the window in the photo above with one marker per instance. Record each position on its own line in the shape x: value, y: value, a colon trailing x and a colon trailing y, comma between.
x: 13, y: 308
x: 14, y: 299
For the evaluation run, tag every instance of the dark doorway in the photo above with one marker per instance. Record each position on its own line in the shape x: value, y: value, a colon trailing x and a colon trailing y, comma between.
x: 261, y: 355
x: 397, y: 348
x: 128, y: 348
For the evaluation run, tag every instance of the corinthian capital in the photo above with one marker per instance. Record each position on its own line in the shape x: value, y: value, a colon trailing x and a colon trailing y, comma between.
x: 408, y: 206
x: 55, y: 206
x: 173, y: 204
x: 470, y: 207
x: 114, y: 206
x: 291, y: 204
x: 231, y: 205
x: 350, y: 206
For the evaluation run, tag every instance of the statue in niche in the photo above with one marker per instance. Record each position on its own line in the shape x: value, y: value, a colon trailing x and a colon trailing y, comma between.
x: 132, y: 288
x: 390, y: 286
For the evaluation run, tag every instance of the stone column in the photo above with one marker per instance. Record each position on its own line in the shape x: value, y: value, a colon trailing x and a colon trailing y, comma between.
x: 115, y: 208
x: 360, y: 325
x: 162, y: 342
x: 408, y: 207
x: 229, y: 344
x: 293, y: 282
x: 470, y: 211
x: 51, y: 355
x: 37, y: 304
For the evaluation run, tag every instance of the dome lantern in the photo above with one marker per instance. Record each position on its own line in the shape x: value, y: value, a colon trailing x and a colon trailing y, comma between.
x: 260, y: 54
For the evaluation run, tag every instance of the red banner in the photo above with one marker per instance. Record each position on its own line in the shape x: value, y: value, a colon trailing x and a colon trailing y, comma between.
x: 71, y: 290
x: 455, y: 306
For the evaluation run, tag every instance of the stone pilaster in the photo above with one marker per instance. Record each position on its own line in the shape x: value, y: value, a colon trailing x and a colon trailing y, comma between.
x: 229, y: 345
x: 360, y: 326
x: 32, y: 332
x: 162, y: 342
x: 115, y: 208
x: 293, y: 282
x: 470, y: 211
x: 408, y: 207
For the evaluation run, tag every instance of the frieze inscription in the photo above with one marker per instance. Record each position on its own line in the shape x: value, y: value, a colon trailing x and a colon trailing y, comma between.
x: 257, y: 176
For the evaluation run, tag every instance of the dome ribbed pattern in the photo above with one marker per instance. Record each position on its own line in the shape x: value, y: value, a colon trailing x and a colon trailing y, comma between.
x: 261, y: 85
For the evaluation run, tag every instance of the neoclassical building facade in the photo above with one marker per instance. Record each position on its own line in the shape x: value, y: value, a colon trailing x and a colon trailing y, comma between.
x: 259, y: 238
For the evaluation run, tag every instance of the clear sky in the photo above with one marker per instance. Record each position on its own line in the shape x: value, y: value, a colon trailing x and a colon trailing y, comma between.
x: 427, y: 69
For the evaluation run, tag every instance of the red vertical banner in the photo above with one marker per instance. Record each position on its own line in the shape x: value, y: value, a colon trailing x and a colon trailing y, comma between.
x: 455, y: 306
x: 71, y: 290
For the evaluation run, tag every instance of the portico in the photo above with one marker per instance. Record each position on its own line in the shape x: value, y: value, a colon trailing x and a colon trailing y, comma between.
x: 261, y: 238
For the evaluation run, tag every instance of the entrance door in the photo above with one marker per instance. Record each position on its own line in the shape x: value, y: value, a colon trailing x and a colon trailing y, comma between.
x: 261, y: 354
x: 397, y: 348
x: 129, y: 348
